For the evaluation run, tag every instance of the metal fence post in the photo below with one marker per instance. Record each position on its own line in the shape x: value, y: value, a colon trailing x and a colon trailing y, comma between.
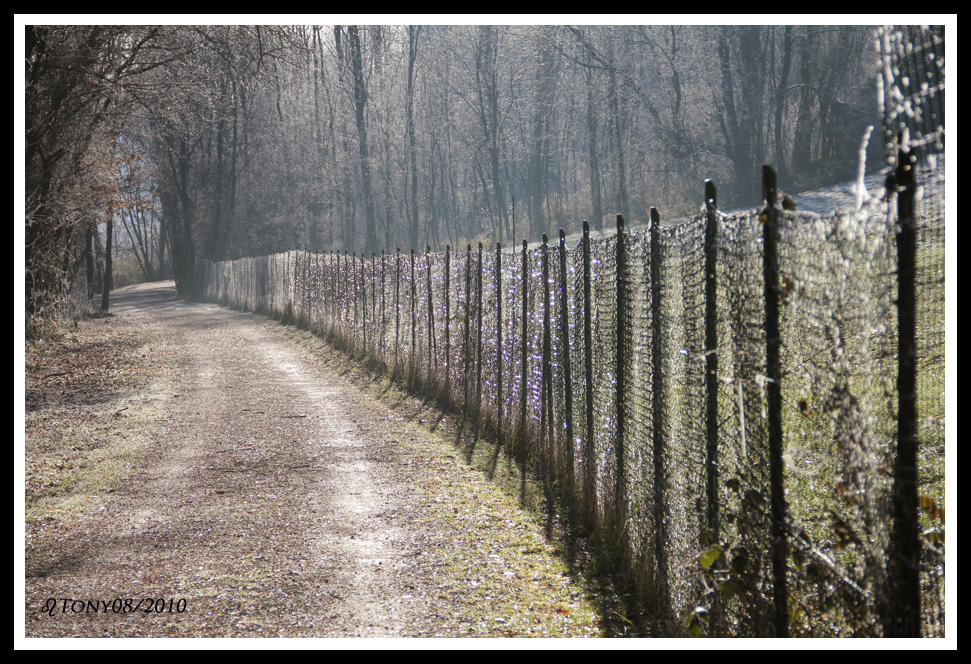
x: 620, y: 489
x: 448, y: 324
x: 525, y: 356
x: 335, y: 293
x: 567, y: 377
x: 657, y: 415
x: 397, y: 304
x: 905, y: 592
x: 411, y: 351
x: 499, y: 403
x: 354, y: 293
x: 466, y: 354
x: 374, y: 304
x: 478, y: 345
x: 773, y: 369
x: 589, y: 458
x: 384, y: 308
x: 545, y: 374
x: 711, y: 350
x: 306, y: 288
x: 332, y: 296
x: 432, y: 350
x: 363, y: 306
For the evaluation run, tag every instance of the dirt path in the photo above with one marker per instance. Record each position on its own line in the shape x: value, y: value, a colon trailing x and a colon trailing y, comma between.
x: 270, y: 504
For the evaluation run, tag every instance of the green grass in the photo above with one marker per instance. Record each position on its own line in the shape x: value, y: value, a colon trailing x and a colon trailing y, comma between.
x: 97, y: 385
x: 513, y: 563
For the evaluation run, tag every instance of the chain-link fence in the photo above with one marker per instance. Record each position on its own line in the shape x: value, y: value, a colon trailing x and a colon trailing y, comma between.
x: 724, y: 400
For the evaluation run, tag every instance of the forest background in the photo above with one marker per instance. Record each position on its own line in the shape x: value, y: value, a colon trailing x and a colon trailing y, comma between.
x: 175, y: 143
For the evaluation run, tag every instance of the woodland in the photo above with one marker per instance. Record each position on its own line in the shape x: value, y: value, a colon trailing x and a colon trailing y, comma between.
x: 150, y: 148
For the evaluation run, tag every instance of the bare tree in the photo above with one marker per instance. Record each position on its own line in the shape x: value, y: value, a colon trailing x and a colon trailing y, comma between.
x: 77, y: 85
x: 356, y: 56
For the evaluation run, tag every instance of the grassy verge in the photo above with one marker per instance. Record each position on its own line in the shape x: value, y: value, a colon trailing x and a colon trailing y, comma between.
x: 89, y: 398
x: 511, y: 562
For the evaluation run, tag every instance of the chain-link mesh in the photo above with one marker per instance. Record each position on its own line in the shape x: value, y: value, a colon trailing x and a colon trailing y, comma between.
x: 459, y: 324
x: 683, y: 315
x: 912, y: 101
x: 840, y: 357
x: 592, y: 363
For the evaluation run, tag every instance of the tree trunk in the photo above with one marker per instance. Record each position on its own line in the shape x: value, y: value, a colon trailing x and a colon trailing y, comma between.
x: 596, y: 203
x: 89, y: 262
x: 107, y: 283
x: 540, y: 148
x: 488, y: 87
x: 618, y: 137
x: 731, y: 126
x: 360, y: 106
x: 413, y: 33
x: 802, y: 152
x: 780, y: 105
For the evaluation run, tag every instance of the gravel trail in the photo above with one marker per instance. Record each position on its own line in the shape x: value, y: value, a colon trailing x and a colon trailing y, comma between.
x: 270, y: 504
